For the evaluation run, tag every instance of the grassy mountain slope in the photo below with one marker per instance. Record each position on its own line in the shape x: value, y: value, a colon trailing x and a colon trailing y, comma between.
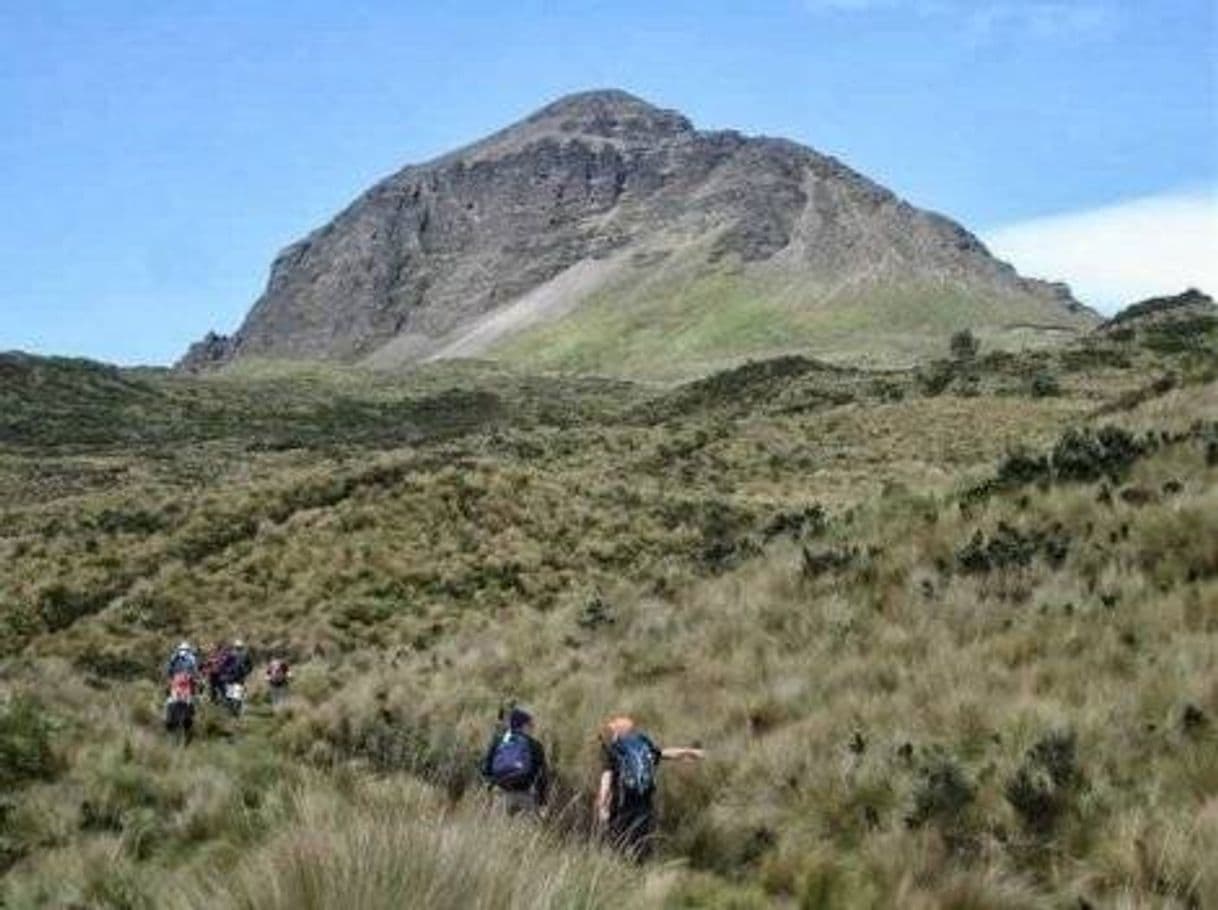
x: 688, y: 322
x: 950, y: 635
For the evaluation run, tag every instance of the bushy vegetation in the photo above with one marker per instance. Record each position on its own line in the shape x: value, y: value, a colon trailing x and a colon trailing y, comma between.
x: 944, y: 650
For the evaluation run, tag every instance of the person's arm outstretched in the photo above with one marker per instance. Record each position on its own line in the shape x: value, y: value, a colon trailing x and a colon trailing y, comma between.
x: 682, y: 753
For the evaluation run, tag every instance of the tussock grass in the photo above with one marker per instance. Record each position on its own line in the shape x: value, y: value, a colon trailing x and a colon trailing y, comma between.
x: 394, y: 844
x: 912, y: 695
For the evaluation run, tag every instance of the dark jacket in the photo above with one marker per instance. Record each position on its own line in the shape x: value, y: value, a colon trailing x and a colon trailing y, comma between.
x: 538, y: 781
x: 236, y: 666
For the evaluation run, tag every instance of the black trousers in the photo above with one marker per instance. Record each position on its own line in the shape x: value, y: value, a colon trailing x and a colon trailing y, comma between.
x: 632, y: 827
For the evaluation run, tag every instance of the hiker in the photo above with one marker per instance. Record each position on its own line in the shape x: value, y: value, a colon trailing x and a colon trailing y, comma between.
x: 183, y: 660
x: 211, y: 672
x: 515, y: 765
x: 235, y: 664
x: 235, y: 667
x: 278, y: 675
x: 180, y: 705
x: 625, y: 800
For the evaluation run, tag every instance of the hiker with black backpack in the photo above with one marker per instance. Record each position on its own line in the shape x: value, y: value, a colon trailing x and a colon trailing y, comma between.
x: 625, y: 800
x: 515, y: 766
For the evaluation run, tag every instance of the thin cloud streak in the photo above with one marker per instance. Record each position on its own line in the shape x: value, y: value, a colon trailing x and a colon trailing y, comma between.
x: 1118, y: 254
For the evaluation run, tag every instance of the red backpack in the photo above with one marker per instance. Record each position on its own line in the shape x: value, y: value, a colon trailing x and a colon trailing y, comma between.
x: 182, y: 687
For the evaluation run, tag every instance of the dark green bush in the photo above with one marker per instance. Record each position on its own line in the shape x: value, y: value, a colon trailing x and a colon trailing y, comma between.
x: 1009, y: 547
x: 1042, y: 790
x: 935, y: 379
x: 1019, y: 468
x: 25, y: 743
x: 1044, y: 385
x: 595, y: 614
x: 1181, y: 336
x: 816, y: 563
x: 964, y: 345
x: 809, y: 522
x: 1087, y: 455
x: 942, y: 793
x: 59, y: 605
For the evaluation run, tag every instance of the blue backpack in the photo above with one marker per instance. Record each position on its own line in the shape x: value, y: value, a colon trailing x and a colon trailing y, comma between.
x: 512, y: 765
x: 182, y: 662
x: 634, y: 761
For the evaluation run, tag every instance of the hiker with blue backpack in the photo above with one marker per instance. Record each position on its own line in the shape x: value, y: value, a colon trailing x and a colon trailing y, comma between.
x: 625, y: 801
x: 515, y: 765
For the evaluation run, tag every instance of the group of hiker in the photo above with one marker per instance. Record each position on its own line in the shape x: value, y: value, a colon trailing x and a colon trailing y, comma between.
x: 515, y: 770
x: 514, y: 767
x: 224, y: 671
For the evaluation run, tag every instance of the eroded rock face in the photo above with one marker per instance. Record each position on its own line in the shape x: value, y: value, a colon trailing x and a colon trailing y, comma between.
x: 211, y: 351
x: 429, y: 252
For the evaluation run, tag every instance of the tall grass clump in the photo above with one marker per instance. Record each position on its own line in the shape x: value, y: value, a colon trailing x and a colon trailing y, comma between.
x: 393, y: 843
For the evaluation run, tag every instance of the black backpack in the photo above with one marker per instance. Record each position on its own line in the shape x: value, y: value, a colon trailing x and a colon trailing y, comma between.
x: 634, y: 764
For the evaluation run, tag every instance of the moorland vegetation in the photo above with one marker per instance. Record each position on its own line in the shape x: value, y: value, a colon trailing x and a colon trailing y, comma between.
x: 949, y: 635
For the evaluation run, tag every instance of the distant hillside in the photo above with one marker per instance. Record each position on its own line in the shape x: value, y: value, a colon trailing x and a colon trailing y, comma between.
x: 1192, y: 304
x: 54, y: 403
x: 605, y: 235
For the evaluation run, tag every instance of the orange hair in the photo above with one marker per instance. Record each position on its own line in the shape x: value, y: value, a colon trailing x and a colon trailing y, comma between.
x: 616, y: 727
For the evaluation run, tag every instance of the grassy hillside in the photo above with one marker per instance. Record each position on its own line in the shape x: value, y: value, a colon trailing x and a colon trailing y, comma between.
x: 683, y: 323
x: 950, y: 635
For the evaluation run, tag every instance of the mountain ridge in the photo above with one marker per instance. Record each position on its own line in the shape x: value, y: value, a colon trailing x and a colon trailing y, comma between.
x: 600, y: 199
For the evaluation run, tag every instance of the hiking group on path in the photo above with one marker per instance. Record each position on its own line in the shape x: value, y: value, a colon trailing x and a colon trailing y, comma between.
x: 225, y: 671
x: 514, y: 766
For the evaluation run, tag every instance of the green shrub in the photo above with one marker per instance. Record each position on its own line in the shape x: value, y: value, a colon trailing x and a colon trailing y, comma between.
x: 964, y: 345
x: 942, y: 794
x: 1044, y: 385
x: 1086, y: 454
x: 1042, y: 790
x: 935, y: 379
x: 1008, y: 547
x: 25, y: 743
x: 60, y: 605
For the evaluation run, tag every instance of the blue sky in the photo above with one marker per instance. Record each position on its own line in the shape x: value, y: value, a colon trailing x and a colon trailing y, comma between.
x: 155, y: 154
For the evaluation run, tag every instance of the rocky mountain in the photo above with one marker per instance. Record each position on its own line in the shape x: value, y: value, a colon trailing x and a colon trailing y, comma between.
x: 603, y: 234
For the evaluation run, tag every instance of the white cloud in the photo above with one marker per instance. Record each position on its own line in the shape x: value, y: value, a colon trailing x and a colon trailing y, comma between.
x: 1121, y: 253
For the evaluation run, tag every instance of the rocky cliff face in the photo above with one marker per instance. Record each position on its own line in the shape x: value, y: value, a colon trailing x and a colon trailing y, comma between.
x: 592, y: 201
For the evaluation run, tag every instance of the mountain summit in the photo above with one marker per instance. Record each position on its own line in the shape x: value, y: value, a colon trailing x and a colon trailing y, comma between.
x: 604, y: 234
